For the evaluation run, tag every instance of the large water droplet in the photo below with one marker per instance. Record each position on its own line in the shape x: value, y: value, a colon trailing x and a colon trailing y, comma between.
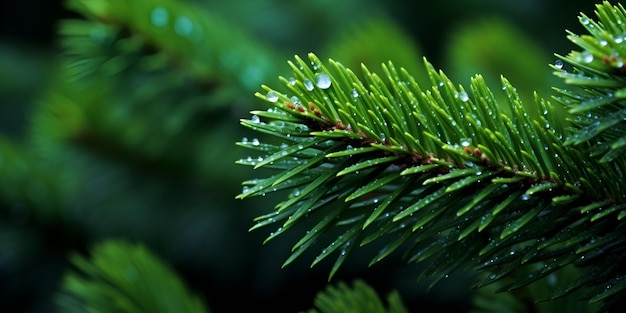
x: 159, y: 17
x: 322, y: 80
x: 255, y: 142
x: 271, y: 96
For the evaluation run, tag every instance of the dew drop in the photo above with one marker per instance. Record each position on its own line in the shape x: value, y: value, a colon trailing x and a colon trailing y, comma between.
x: 245, y: 189
x: 183, y: 26
x: 296, y: 192
x: 159, y: 17
x: 255, y: 119
x: 271, y: 96
x: 322, y: 81
x: 292, y: 81
x: 466, y: 142
x: 463, y: 96
x: 244, y: 140
x: 558, y: 64
x: 308, y: 84
x: 525, y: 197
x: 255, y: 142
x: 586, y: 57
x: 295, y: 100
x: 355, y: 94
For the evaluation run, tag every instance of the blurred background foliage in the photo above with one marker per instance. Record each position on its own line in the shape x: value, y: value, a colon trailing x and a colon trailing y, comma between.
x: 118, y: 120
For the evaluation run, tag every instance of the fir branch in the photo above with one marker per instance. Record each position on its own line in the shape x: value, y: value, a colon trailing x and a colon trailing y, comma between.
x: 359, y: 297
x: 185, y: 35
x: 448, y: 174
x: 123, y: 277
x: 598, y: 69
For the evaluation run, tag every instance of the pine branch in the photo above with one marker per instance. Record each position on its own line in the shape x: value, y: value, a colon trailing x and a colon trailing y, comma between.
x: 123, y: 277
x: 358, y: 298
x: 186, y: 35
x: 448, y: 174
x: 598, y: 69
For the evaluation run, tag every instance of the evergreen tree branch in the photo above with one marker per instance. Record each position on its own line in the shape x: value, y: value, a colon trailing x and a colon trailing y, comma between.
x: 598, y: 70
x: 358, y: 298
x: 188, y: 36
x: 449, y: 174
x: 123, y: 277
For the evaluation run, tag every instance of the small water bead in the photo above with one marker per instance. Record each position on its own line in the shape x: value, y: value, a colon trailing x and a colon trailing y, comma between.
x: 295, y: 100
x: 255, y: 119
x: 308, y: 84
x: 466, y: 142
x: 355, y: 94
x: 271, y: 96
x: 159, y: 17
x: 255, y: 142
x: 245, y: 189
x: 244, y: 140
x: 322, y: 80
x: 558, y: 64
x: 292, y: 81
